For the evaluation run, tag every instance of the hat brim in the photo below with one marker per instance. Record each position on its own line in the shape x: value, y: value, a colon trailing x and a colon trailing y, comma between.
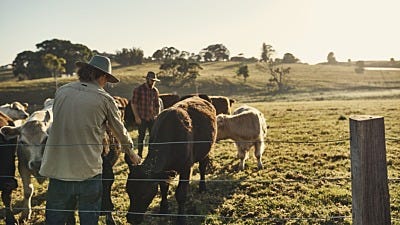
x: 110, y: 77
x: 154, y: 79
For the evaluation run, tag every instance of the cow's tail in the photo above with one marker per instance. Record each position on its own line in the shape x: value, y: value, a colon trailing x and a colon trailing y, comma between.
x: 264, y: 125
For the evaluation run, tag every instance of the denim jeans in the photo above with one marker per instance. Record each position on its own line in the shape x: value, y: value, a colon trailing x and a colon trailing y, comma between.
x: 145, y: 125
x: 64, y: 197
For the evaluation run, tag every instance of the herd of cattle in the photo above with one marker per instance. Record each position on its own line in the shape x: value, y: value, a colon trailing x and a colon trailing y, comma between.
x: 183, y: 134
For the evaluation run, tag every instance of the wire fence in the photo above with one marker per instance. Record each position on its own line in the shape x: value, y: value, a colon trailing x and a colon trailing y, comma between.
x: 267, y: 181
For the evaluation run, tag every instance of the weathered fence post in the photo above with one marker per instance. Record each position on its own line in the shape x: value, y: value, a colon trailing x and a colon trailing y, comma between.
x: 369, y: 181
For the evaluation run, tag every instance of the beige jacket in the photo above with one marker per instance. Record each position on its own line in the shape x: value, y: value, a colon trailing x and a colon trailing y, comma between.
x: 74, y: 146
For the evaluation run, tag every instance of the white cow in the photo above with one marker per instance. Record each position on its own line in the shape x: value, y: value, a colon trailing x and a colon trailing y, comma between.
x: 32, y: 136
x: 15, y: 110
x: 247, y: 127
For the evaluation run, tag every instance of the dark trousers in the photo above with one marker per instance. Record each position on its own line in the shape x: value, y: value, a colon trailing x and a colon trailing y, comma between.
x: 145, y: 125
x: 64, y: 196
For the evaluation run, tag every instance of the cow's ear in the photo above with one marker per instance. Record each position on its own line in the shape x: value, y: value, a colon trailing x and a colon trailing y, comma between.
x: 47, y: 117
x: 25, y: 104
x: 10, y: 132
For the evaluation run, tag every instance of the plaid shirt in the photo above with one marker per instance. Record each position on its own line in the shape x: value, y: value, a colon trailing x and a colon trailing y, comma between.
x: 146, y: 100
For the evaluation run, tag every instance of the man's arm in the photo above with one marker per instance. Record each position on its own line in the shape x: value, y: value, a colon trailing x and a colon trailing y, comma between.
x: 136, y: 113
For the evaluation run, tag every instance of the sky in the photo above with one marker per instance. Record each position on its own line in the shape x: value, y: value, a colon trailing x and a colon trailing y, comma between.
x: 308, y: 29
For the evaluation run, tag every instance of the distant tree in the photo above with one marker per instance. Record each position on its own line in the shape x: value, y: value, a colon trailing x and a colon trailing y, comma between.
x: 279, y: 77
x: 180, y: 71
x: 215, y: 52
x: 54, y: 64
x: 359, y: 67
x: 127, y: 57
x: 184, y: 54
x: 170, y: 52
x: 195, y: 57
x: 266, y: 52
x: 166, y: 53
x: 331, y: 58
x: 28, y: 65
x: 289, y: 58
x: 208, y: 56
x: 158, y: 55
x: 243, y: 71
x: 66, y: 50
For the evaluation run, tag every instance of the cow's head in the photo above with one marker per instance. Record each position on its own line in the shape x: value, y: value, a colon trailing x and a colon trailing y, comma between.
x: 221, y: 127
x: 32, y: 137
x: 142, y: 186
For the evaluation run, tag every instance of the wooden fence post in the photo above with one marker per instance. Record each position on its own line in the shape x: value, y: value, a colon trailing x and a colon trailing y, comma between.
x: 369, y: 181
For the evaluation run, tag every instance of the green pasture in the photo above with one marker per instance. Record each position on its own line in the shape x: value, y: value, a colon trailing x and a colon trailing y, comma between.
x: 306, y: 175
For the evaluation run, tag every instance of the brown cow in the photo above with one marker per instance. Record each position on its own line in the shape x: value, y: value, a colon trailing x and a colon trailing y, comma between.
x: 182, y: 135
x: 169, y: 99
x: 222, y: 104
x: 111, y: 150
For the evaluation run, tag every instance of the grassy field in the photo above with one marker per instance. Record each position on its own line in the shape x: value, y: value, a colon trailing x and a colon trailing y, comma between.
x: 306, y: 179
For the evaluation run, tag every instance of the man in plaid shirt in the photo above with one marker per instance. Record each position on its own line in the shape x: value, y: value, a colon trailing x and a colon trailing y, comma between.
x: 145, y: 107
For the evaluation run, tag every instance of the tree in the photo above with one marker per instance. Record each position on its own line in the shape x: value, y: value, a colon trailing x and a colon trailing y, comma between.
x: 127, y: 57
x: 166, y: 53
x: 54, y: 64
x: 29, y: 65
x: 289, y: 58
x: 216, y: 52
x: 266, y: 52
x: 158, y: 55
x: 279, y: 77
x: 331, y: 58
x: 180, y: 71
x: 243, y: 71
x: 66, y: 50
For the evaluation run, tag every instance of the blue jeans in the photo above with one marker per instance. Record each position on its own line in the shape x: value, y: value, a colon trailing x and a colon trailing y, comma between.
x: 64, y: 197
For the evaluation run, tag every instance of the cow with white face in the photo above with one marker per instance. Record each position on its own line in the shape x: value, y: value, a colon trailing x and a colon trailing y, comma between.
x: 32, y: 136
x: 15, y: 110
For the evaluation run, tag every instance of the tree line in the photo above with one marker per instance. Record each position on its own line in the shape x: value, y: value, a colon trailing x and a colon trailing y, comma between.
x: 55, y: 57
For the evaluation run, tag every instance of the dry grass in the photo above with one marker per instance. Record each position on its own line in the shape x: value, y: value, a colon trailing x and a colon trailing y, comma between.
x: 303, y: 182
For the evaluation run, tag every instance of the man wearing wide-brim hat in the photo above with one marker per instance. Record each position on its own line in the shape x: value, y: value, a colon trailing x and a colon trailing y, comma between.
x: 145, y: 107
x: 72, y: 155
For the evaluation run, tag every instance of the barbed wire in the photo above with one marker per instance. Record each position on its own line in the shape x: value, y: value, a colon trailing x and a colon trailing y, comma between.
x: 195, y: 142
x: 210, y: 180
x: 328, y: 218
x: 182, y: 142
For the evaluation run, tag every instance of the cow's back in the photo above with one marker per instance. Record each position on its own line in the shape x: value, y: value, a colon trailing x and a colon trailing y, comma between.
x: 181, y: 135
x: 203, y: 116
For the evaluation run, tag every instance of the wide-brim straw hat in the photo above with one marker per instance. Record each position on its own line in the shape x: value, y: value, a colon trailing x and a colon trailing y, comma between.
x: 102, y: 63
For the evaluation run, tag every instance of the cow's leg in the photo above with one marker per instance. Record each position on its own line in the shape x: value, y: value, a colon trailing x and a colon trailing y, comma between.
x: 259, y: 150
x: 202, y: 168
x: 106, y: 203
x: 180, y: 195
x: 28, y: 192
x: 242, y: 155
x: 6, y: 198
x: 164, y: 194
x: 130, y: 216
